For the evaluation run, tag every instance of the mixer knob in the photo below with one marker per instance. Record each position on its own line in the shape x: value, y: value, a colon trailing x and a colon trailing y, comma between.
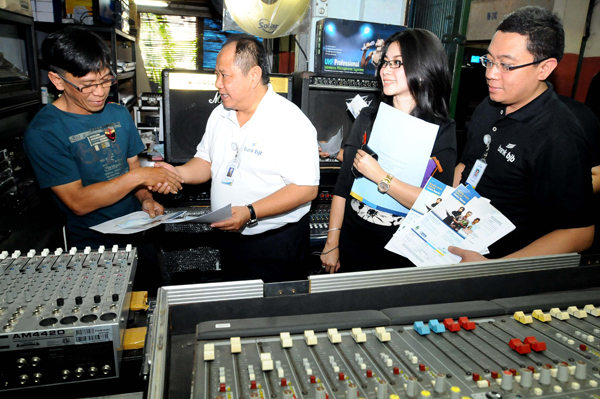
x: 37, y: 377
x: 79, y: 372
x: 563, y: 372
x: 21, y: 362
x: 65, y: 374
x: 35, y: 361
x: 526, y: 378
x: 3, y: 255
x: 440, y: 383
x: 425, y: 394
x: 73, y: 251
x: 287, y: 394
x: 115, y: 297
x: 58, y: 251
x: 60, y: 302
x: 28, y: 296
x: 320, y: 393
x: 546, y: 375
x: 411, y: 387
x: 507, y: 380
x: 382, y: 389
x: 87, y: 250
x: 16, y: 254
x: 101, y: 249
x: 351, y: 392
x: 580, y: 370
x: 10, y: 297
x: 78, y: 300
x: 106, y: 369
x: 92, y: 371
x: 23, y: 379
x: 455, y: 393
x: 45, y: 252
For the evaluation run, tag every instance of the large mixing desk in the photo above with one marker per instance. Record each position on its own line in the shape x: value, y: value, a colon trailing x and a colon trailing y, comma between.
x: 518, y: 329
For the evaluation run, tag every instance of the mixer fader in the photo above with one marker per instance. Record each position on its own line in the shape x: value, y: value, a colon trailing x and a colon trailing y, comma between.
x: 546, y: 353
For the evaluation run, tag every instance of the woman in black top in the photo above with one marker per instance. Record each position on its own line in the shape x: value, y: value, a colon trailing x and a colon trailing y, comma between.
x: 414, y: 78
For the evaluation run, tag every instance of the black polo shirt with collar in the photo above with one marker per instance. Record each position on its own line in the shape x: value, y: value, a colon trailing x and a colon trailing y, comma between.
x: 538, y: 168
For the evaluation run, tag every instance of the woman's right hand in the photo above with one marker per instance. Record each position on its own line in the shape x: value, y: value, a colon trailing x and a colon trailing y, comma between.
x: 330, y: 259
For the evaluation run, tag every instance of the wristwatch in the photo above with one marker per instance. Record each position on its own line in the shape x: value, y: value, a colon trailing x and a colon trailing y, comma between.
x: 384, y: 185
x: 253, y: 220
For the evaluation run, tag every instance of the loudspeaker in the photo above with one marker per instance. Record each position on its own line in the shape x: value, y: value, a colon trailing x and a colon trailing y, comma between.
x: 323, y: 98
x: 189, y: 98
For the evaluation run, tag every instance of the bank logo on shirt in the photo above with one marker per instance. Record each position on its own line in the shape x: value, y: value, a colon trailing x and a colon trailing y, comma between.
x: 111, y: 133
x: 252, y: 149
x: 510, y: 157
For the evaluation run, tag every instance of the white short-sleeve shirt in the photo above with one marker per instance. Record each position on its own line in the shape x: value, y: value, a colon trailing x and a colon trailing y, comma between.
x: 276, y: 147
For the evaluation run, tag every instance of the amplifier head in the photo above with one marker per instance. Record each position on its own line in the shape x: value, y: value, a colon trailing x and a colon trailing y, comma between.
x: 323, y: 99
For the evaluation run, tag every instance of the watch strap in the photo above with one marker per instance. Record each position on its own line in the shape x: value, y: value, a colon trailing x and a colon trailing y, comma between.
x: 253, y: 220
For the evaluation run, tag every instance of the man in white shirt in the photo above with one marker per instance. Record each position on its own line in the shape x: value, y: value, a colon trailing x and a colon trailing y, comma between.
x: 261, y: 153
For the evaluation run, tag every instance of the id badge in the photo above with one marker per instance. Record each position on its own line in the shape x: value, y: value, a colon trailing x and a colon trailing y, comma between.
x: 231, y: 168
x: 476, y: 173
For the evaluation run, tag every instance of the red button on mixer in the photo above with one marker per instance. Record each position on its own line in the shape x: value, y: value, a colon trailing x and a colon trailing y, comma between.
x: 222, y: 388
x: 313, y: 379
x: 369, y: 373
x: 396, y: 370
x: 341, y: 376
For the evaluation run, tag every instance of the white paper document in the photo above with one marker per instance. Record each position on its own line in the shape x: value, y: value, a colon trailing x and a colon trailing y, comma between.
x: 403, y: 144
x: 333, y: 146
x: 140, y: 221
x: 463, y: 219
x: 357, y: 104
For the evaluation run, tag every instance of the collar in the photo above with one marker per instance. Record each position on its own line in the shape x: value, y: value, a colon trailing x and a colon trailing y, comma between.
x: 529, y: 110
x: 263, y: 105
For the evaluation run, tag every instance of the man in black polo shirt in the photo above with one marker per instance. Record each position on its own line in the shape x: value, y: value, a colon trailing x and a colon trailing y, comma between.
x: 531, y: 151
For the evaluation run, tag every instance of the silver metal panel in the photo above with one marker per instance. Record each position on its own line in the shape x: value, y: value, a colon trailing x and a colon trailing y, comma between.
x: 412, y: 275
x: 184, y: 294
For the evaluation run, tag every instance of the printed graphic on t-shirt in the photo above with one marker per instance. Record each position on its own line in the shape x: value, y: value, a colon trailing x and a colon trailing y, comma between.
x: 99, y: 145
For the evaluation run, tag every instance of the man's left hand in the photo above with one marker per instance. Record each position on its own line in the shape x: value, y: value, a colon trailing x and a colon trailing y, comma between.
x: 152, y: 208
x: 368, y: 166
x: 466, y: 255
x: 240, y: 215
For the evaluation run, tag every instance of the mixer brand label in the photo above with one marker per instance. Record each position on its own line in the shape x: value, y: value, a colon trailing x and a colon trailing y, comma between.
x: 223, y: 325
x: 37, y: 335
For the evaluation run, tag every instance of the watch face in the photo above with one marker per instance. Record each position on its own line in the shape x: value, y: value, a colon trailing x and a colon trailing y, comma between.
x: 383, y: 186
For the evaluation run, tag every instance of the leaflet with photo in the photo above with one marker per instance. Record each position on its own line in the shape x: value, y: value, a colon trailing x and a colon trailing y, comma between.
x: 463, y: 219
x: 403, y: 144
x: 431, y: 196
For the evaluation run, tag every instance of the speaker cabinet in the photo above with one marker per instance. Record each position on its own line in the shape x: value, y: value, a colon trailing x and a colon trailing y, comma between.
x: 189, y: 98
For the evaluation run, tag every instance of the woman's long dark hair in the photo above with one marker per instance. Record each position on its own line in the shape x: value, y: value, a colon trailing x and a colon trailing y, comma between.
x: 427, y: 74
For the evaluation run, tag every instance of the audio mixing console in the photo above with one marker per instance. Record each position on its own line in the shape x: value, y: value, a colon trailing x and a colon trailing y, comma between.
x: 550, y: 353
x: 63, y: 315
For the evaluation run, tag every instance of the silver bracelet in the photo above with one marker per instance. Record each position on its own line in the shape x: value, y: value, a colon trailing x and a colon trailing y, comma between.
x: 325, y: 253
x: 334, y: 229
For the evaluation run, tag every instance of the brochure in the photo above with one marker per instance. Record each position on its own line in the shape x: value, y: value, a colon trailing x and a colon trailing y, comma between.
x: 463, y: 219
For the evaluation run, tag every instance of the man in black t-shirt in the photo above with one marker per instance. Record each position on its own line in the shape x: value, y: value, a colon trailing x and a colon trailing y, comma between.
x: 537, y: 161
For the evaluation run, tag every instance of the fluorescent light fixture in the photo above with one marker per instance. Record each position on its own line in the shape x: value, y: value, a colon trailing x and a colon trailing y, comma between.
x: 151, y: 3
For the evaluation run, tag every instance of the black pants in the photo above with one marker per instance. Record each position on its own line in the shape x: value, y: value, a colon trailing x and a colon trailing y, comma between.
x: 275, y: 255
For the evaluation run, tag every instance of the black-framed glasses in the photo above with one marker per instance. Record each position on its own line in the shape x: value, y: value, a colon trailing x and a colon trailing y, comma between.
x: 87, y: 89
x: 394, y: 64
x: 489, y: 64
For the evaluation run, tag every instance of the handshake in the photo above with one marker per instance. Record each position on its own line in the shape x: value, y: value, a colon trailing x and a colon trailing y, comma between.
x: 163, y: 178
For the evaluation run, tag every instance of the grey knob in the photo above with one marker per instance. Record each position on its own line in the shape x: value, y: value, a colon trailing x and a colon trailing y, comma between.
x: 563, y: 372
x: 411, y: 387
x: 507, y: 380
x: 526, y: 378
x: 320, y: 393
x: 352, y: 391
x: 545, y: 375
x: 382, y: 389
x: 440, y: 383
x: 580, y: 370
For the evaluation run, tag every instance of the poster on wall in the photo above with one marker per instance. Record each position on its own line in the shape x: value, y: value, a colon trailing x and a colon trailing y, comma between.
x: 354, y: 47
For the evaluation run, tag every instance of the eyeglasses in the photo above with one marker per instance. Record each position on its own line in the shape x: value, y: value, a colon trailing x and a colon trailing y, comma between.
x: 87, y: 89
x: 489, y: 64
x: 392, y: 64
